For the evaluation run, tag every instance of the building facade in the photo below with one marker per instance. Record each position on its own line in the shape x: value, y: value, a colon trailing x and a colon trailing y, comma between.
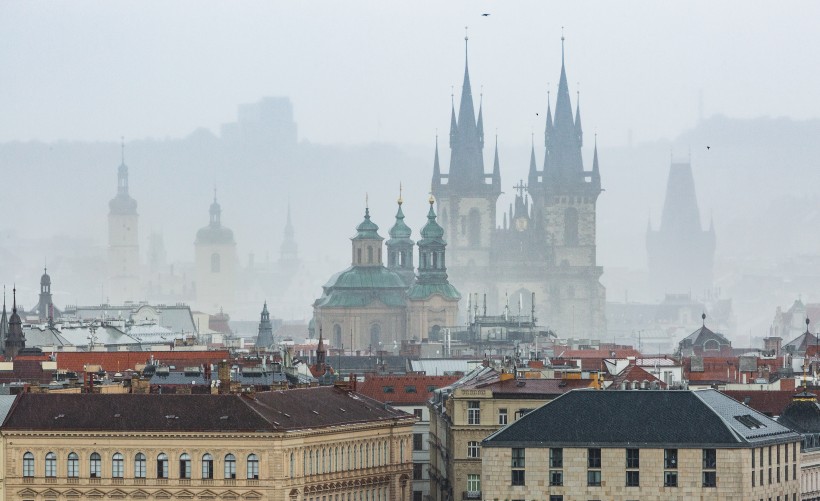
x: 649, y: 445
x: 216, y: 264
x: 467, y: 412
x: 547, y: 242
x: 123, y: 242
x: 305, y: 445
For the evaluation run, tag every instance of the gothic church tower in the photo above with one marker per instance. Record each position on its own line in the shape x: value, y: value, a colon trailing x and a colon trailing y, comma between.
x: 466, y: 194
x: 123, y: 242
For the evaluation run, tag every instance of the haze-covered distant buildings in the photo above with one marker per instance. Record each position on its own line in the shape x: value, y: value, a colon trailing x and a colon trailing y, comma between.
x: 547, y: 243
x: 123, y: 242
x: 681, y: 253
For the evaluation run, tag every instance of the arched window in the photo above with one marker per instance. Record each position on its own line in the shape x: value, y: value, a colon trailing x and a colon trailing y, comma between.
x: 401, y: 451
x: 435, y: 333
x: 95, y: 466
x: 253, y: 467
x: 28, y: 464
x: 117, y: 466
x: 336, y: 459
x: 570, y: 226
x: 474, y: 235
x: 355, y: 459
x: 73, y: 465
x: 373, y: 455
x: 162, y: 465
x: 230, y: 466
x: 291, y: 465
x: 208, y: 466
x: 51, y: 465
x: 367, y: 455
x: 361, y: 457
x: 310, y: 462
x: 216, y: 263
x: 711, y: 345
x: 139, y: 465
x: 304, y: 462
x: 185, y: 466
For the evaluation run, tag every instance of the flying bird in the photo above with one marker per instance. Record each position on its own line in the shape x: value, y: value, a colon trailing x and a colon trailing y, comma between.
x: 486, y: 14
x: 708, y: 147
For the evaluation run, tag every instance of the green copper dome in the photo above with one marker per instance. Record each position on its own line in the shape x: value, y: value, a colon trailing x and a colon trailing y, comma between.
x: 432, y: 230
x: 400, y: 230
x: 367, y: 229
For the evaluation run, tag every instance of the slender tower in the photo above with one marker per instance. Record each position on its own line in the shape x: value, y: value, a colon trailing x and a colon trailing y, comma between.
x: 123, y: 241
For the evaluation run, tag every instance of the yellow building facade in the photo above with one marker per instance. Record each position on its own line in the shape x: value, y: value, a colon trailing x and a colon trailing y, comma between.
x: 301, y: 445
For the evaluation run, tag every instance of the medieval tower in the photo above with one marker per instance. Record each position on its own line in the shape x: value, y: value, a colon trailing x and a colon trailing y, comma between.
x: 681, y: 253
x: 216, y: 264
x: 123, y: 242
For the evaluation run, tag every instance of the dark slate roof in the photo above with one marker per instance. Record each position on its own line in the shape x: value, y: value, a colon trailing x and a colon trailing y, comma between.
x: 322, y: 406
x: 133, y: 412
x: 802, y: 416
x: 266, y: 411
x: 653, y: 418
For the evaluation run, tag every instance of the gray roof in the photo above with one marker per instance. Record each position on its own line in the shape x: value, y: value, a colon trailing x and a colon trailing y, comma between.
x: 652, y: 418
x: 6, y: 402
x: 43, y: 335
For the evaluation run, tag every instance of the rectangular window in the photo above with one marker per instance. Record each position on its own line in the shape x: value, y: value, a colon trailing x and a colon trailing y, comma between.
x: 770, y: 455
x: 594, y: 478
x: 502, y: 416
x: 633, y: 458
x: 418, y: 414
x: 417, y: 469
x: 753, y: 478
x: 473, y: 412
x: 556, y: 458
x: 778, y: 453
x: 670, y: 459
x: 778, y: 475
x: 670, y: 479
x: 556, y: 477
x: 753, y: 458
x: 518, y: 458
x: 770, y: 476
x: 633, y: 479
x: 518, y: 462
x: 786, y: 451
x: 709, y: 459
x: 473, y: 450
x: 418, y: 441
x: 786, y: 473
x: 417, y: 495
x: 709, y: 479
x: 593, y: 458
x: 556, y: 497
x: 473, y: 483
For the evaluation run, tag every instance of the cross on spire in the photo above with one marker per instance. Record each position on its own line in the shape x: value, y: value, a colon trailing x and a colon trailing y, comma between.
x: 520, y: 187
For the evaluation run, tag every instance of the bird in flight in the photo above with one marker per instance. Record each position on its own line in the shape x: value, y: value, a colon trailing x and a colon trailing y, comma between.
x: 708, y: 147
x: 486, y: 14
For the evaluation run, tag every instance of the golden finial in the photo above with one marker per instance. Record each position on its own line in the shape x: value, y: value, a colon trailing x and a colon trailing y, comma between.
x: 400, y: 200
x: 432, y: 199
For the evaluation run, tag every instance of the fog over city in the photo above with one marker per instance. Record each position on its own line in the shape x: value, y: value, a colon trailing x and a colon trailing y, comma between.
x: 343, y: 103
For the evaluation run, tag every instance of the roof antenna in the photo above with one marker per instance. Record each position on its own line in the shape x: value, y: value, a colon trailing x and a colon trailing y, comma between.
x: 122, y: 148
x: 703, y: 318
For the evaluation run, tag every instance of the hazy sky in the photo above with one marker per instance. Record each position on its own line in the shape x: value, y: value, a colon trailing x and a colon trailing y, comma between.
x: 368, y: 71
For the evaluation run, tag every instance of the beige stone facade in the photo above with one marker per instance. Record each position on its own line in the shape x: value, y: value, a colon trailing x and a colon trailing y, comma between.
x: 810, y: 475
x: 733, y: 474
x: 470, y: 416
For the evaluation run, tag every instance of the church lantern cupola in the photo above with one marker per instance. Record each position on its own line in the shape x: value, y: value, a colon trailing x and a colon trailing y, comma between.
x: 367, y: 244
x: 400, y: 246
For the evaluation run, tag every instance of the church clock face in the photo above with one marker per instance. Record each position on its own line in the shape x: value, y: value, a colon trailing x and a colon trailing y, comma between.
x: 521, y: 224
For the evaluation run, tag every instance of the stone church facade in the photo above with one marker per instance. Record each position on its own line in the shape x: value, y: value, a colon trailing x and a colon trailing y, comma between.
x: 547, y: 242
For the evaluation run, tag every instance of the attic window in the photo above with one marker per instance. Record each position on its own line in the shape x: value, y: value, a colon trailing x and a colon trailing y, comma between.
x: 409, y: 389
x: 387, y: 389
x: 750, y: 422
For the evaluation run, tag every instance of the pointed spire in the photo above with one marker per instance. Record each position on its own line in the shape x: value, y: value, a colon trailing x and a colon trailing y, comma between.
x: 596, y: 173
x: 436, y: 168
x: 578, y: 129
x: 480, y: 124
x: 496, y: 166
x: 532, y: 177
x: 453, y: 124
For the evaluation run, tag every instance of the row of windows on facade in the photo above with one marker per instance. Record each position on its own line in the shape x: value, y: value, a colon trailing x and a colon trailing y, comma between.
x: 378, y: 494
x: 474, y: 413
x: 344, y: 458
x: 370, y: 255
x: 471, y: 226
x: 633, y: 463
x: 559, y: 497
x: 140, y: 466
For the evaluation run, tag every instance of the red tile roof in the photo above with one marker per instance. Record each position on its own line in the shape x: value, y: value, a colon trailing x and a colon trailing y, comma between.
x: 535, y: 387
x: 769, y: 402
x: 393, y: 389
x: 633, y: 373
x: 115, y: 361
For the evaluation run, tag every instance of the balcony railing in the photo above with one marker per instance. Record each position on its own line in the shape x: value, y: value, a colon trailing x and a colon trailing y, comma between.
x: 471, y: 495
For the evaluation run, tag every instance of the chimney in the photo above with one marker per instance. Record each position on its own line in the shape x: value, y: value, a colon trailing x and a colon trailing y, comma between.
x: 224, y: 372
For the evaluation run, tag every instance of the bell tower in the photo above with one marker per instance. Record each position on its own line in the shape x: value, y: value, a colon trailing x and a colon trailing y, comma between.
x: 123, y: 241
